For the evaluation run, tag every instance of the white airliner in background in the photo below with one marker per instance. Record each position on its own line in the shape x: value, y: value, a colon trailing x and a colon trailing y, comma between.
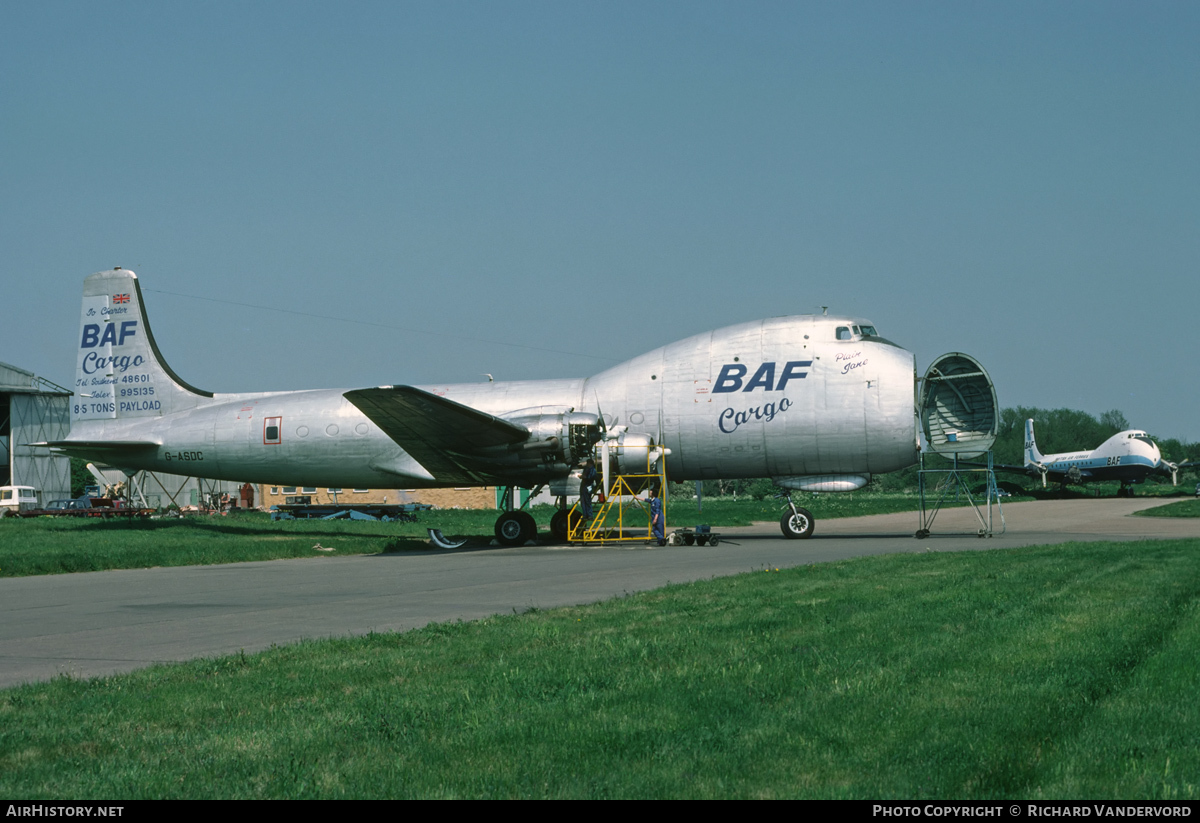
x: 1128, y: 456
x: 814, y: 402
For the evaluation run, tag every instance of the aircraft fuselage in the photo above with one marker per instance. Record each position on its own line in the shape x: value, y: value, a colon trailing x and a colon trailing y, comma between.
x: 803, y: 399
x: 763, y: 399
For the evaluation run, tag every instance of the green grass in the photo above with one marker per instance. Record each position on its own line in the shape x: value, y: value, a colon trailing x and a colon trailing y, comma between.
x: 51, y: 546
x: 1184, y: 508
x: 1045, y: 672
x: 47, y: 545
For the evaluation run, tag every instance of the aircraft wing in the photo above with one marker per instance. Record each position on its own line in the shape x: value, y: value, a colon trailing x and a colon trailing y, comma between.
x: 1056, y: 475
x: 449, y: 439
x: 1172, y: 470
x: 1031, y: 470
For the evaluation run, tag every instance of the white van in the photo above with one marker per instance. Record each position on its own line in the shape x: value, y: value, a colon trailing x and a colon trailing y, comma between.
x: 18, y: 498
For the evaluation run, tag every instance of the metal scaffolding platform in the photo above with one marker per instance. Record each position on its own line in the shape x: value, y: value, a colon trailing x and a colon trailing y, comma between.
x: 621, y: 515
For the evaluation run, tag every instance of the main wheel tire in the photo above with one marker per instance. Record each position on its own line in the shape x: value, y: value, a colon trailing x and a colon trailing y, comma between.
x: 515, y: 528
x: 798, y: 526
x: 561, y: 523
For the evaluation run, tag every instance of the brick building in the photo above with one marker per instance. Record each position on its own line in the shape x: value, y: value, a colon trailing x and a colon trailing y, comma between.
x: 483, y: 497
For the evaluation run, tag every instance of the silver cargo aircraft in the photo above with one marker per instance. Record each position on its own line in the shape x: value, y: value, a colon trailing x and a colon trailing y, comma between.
x: 813, y: 402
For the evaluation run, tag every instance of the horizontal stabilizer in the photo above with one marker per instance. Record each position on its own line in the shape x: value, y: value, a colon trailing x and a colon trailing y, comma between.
x: 103, y: 451
x: 445, y: 437
x: 107, y: 450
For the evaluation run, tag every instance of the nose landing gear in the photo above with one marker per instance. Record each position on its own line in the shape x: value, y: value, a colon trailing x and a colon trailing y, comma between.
x: 796, y: 523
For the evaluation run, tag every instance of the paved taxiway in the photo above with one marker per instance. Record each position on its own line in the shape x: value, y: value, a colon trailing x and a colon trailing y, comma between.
x: 104, y: 622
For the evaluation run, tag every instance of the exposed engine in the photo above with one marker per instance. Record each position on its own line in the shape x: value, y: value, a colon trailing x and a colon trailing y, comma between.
x: 558, y: 439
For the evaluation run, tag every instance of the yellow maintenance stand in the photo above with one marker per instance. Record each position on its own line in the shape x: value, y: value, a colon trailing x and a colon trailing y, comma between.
x: 622, y: 516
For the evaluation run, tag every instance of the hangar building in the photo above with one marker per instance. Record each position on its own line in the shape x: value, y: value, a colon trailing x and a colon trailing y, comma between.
x: 33, y: 409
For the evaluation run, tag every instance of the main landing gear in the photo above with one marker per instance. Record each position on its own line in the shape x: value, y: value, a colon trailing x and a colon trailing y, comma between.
x: 515, y: 527
x: 796, y: 523
x: 562, y: 522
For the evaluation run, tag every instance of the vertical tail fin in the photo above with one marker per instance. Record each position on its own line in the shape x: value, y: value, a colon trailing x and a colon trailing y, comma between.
x: 1032, y: 455
x: 119, y: 372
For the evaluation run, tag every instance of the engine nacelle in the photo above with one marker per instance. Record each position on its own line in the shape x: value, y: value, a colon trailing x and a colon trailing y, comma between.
x: 565, y: 486
x: 633, y: 453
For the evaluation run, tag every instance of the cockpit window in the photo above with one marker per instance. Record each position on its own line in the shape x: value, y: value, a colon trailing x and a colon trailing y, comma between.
x: 853, y: 332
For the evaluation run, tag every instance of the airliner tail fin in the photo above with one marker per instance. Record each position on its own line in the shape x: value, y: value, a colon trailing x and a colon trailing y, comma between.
x: 120, y: 373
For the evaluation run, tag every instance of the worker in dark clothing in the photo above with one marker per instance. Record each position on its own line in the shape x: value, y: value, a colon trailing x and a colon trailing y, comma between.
x: 657, y: 523
x: 587, y: 483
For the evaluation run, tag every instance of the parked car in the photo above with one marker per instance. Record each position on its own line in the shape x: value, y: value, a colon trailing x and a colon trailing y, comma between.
x: 16, y: 499
x: 87, y: 507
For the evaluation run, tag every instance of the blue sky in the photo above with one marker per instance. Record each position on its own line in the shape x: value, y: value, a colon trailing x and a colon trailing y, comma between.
x: 543, y: 189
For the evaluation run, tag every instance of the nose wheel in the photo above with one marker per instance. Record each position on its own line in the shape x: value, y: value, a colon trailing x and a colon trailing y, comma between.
x: 797, y: 524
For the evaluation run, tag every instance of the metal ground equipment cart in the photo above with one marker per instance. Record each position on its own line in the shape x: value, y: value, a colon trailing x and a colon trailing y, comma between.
x: 702, y: 535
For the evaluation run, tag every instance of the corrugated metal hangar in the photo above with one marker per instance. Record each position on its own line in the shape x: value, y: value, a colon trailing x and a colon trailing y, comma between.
x: 32, y: 409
